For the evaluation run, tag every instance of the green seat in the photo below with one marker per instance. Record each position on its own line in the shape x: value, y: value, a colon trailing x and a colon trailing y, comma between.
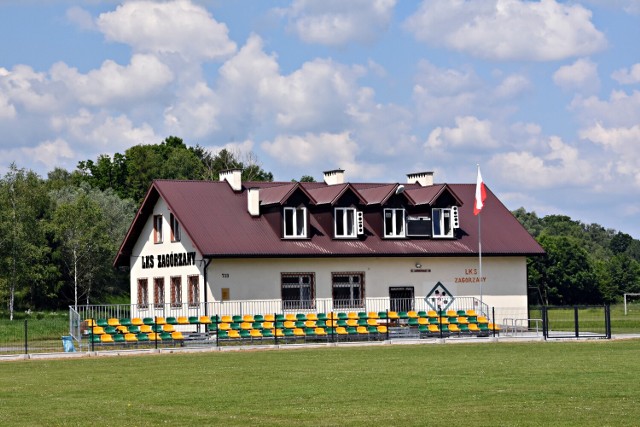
x: 342, y: 322
x: 288, y: 332
x: 256, y: 325
x: 171, y: 321
x: 413, y: 321
x: 215, y: 319
x: 453, y: 320
x: 299, y: 323
x: 403, y: 315
x: 323, y: 316
x: 472, y: 319
x: 363, y: 315
x: 94, y: 339
x: 166, y: 336
x: 134, y: 329
x: 310, y: 332
x: 280, y: 318
x: 157, y: 328
x: 442, y: 313
x: 362, y: 322
x: 433, y: 320
x: 212, y: 327
x: 148, y: 321
x: 422, y: 314
x: 382, y: 314
x: 331, y: 331
x: 342, y: 316
x: 279, y: 325
x: 102, y: 322
x: 462, y: 313
x: 142, y: 337
x: 111, y: 330
x: 258, y: 318
x: 321, y: 323
x: 464, y: 328
x: 301, y: 316
x: 193, y: 320
x: 372, y: 329
x: 125, y: 321
x: 351, y: 330
x: 237, y: 318
x: 235, y: 326
x: 244, y: 333
x: 223, y: 335
x: 118, y: 338
x: 423, y: 329
x: 266, y: 333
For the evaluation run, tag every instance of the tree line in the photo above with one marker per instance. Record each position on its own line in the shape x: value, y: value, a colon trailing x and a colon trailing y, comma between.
x: 61, y: 233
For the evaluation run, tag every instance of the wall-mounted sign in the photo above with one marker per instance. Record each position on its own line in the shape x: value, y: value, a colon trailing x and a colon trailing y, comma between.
x: 179, y: 259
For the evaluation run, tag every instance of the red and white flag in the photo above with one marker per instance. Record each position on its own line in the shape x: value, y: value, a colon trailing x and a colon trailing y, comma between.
x: 481, y: 194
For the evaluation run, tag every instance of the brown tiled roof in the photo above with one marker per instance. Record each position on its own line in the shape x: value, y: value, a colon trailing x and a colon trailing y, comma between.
x: 217, y: 221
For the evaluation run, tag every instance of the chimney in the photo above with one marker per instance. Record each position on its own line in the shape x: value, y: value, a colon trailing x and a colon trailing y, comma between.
x: 233, y: 177
x: 423, y: 178
x: 333, y: 177
x: 253, y: 201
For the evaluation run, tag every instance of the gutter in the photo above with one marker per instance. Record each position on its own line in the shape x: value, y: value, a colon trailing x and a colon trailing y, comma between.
x: 206, y: 294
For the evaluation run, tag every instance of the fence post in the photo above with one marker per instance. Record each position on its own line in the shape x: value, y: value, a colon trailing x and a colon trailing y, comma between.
x: 607, y: 320
x: 275, y: 328
x: 545, y: 326
x: 155, y: 330
x: 493, y: 323
x: 26, y: 339
x: 575, y: 320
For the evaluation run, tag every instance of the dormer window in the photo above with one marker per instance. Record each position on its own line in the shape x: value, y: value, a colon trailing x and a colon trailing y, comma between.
x: 175, y: 228
x: 394, y: 223
x: 345, y: 223
x: 295, y: 223
x: 444, y: 221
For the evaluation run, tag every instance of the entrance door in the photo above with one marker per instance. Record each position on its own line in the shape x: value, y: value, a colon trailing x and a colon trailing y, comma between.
x: 401, y: 298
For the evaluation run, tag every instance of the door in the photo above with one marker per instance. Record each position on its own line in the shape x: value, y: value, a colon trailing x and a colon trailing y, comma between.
x: 401, y: 298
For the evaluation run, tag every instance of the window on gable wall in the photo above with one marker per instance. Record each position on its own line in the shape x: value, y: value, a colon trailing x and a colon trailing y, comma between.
x: 345, y: 222
x: 295, y: 222
x: 157, y: 228
x: 175, y: 228
x: 394, y: 223
x: 442, y: 220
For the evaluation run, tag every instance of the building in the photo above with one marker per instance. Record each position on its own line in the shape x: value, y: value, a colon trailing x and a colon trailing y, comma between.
x: 327, y: 246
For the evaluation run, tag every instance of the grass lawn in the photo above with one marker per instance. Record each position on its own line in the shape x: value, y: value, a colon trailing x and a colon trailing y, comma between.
x: 592, y: 383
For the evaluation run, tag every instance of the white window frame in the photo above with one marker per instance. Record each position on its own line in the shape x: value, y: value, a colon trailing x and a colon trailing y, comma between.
x: 296, y: 212
x: 393, y: 233
x: 345, y: 223
x: 175, y: 228
x: 157, y: 229
x: 439, y: 220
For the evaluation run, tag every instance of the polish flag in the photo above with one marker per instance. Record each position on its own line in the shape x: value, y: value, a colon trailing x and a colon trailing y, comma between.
x: 481, y: 194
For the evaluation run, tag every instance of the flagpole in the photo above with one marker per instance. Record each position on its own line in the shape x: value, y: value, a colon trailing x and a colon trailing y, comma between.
x: 480, y: 248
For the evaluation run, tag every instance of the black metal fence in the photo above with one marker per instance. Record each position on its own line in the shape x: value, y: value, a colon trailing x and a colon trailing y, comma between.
x: 576, y: 321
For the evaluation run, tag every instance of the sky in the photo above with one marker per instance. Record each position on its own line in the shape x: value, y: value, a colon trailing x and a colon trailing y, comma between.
x: 543, y: 95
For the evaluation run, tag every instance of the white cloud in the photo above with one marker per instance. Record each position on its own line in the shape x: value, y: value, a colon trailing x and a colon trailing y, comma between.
x: 507, y: 29
x: 627, y: 76
x: 621, y: 109
x: 7, y: 110
x: 629, y: 6
x: 81, y: 18
x: 50, y: 153
x: 338, y: 22
x: 558, y: 165
x: 581, y: 76
x: 624, y: 143
x: 176, y: 27
x: 28, y: 90
x: 470, y: 132
x: 112, y: 82
x: 195, y: 112
x: 512, y: 86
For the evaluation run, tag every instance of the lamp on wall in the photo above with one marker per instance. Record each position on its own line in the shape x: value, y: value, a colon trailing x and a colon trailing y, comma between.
x: 418, y: 265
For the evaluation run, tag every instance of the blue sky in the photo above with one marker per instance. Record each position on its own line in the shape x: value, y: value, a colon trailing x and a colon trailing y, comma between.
x: 544, y: 95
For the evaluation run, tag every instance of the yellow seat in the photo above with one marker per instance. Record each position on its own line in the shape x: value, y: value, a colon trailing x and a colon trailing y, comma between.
x: 298, y: 332
x: 454, y: 328
x: 433, y: 328
x: 331, y: 323
x: 452, y: 313
x: 289, y: 324
x: 494, y: 327
x: 444, y: 320
x: 130, y: 338
x: 106, y: 338
x: 269, y: 318
x: 310, y: 324
x: 463, y: 320
x: 312, y: 316
x: 246, y: 326
x: 234, y: 333
x: 226, y: 319
x: 98, y: 330
x: 168, y: 328
x: 145, y: 329
x: 423, y: 321
x: 372, y: 315
x: 352, y: 322
x: 183, y: 320
x: 160, y: 321
x: 362, y: 330
x: 154, y: 336
x: 432, y: 313
x: 247, y: 318
x: 320, y: 331
x: 471, y: 313
x: 340, y: 330
x: 279, y: 333
x: 177, y: 336
x: 331, y: 316
x: 482, y: 319
x: 204, y: 320
x: 473, y: 327
x: 113, y: 321
x: 412, y: 314
x: 90, y: 323
x: 136, y: 321
x: 382, y: 329
x: 290, y: 316
x: 122, y: 329
x: 352, y: 315
x: 267, y: 325
x: 372, y: 322
x: 255, y: 333
x: 393, y: 315
x: 224, y: 326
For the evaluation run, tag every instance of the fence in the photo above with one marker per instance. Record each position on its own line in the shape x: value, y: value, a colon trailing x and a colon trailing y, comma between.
x: 36, y: 335
x: 576, y: 322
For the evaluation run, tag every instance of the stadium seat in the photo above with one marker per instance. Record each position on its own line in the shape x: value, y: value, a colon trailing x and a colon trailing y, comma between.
x: 412, y: 314
x: 423, y: 329
x: 432, y: 314
x: 215, y: 318
x: 382, y: 329
x: 352, y: 322
x: 280, y: 318
x: 256, y: 325
x: 106, y: 339
x: 95, y: 339
x: 245, y: 326
x: 224, y: 326
x: 148, y: 321
x: 422, y: 314
x: 322, y: 316
x: 301, y: 317
x: 234, y: 334
x: 157, y: 328
x: 331, y: 323
x: 310, y: 324
x: 309, y: 332
x: 321, y: 323
x: 298, y: 332
x: 168, y: 328
x: 235, y: 326
x: 125, y: 321
x: 122, y: 329
x: 133, y: 329
x: 461, y: 313
x: 130, y: 338
x: 452, y: 313
x: 160, y: 320
x: 342, y: 322
x: 464, y: 328
x: 142, y: 337
x: 255, y: 333
x: 193, y: 320
x: 482, y: 319
x: 393, y: 315
x: 493, y: 326
x: 382, y: 314
x: 321, y: 332
x: 204, y: 320
x: 212, y: 327
x: 267, y: 325
x: 473, y: 328
x: 341, y: 331
x: 290, y: 316
x: 177, y: 336
x: 330, y: 331
x: 362, y: 315
x: 423, y: 321
x: 352, y: 315
x: 222, y: 335
x: 247, y: 318
x: 183, y: 320
x: 279, y: 332
x: 166, y: 336
x: 372, y: 322
x: 136, y: 321
x: 258, y: 318
x: 342, y: 316
x: 289, y: 324
x: 269, y: 318
x: 172, y: 321
x: 287, y: 333
x: 312, y: 316
x: 362, y: 330
x: 267, y: 333
x: 373, y: 330
x: 226, y: 319
x: 146, y: 329
x: 403, y: 315
x: 372, y: 315
x: 351, y: 330
x: 90, y: 323
x: 102, y: 322
x: 245, y: 333
x: 110, y: 330
x: 98, y: 330
x: 462, y: 320
x: 472, y: 313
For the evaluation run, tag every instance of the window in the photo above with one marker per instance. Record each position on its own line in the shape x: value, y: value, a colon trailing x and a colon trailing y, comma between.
x: 297, y: 291
x: 158, y: 290
x: 442, y: 222
x: 175, y: 228
x: 157, y: 228
x: 348, y: 289
x: 295, y: 222
x: 345, y: 222
x: 394, y: 223
x: 176, y: 291
x: 143, y: 293
x: 194, y: 290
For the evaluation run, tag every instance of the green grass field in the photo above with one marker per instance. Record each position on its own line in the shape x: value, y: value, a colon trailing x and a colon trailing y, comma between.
x: 590, y: 383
